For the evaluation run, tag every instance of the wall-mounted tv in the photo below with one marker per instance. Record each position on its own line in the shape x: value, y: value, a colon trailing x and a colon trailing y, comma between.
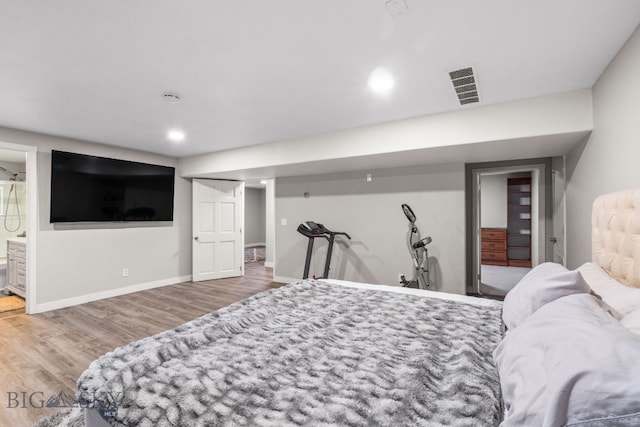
x: 97, y: 189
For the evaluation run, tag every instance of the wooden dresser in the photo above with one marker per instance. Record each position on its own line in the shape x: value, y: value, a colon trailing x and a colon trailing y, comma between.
x: 494, y: 246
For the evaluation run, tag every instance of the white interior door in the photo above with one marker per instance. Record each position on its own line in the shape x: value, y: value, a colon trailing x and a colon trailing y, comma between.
x: 217, y: 229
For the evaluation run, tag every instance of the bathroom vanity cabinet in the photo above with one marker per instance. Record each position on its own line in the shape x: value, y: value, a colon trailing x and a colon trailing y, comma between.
x: 17, y: 266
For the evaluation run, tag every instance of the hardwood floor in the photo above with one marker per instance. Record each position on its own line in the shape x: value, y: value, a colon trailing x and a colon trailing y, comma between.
x: 42, y: 355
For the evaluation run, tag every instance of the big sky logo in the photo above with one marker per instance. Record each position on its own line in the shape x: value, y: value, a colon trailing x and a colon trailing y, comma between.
x: 37, y: 399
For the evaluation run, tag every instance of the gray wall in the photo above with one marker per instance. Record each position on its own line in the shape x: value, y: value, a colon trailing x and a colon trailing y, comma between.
x: 81, y: 260
x: 608, y: 160
x: 371, y: 213
x: 254, y: 216
x: 493, y: 203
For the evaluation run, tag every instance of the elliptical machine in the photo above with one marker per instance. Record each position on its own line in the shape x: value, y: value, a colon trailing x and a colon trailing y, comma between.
x: 419, y: 254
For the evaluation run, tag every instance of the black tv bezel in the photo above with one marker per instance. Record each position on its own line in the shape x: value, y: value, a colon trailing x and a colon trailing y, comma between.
x: 110, y: 221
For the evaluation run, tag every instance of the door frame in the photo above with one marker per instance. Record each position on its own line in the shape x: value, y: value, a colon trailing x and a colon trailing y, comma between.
x: 545, y: 230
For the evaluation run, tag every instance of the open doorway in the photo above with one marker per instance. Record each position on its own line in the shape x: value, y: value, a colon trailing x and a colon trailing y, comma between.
x: 17, y: 228
x: 510, y: 223
x: 259, y: 224
x: 13, y: 226
x: 508, y: 236
x: 255, y: 224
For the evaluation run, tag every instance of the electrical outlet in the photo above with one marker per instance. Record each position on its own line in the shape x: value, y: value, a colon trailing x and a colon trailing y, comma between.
x: 125, y: 272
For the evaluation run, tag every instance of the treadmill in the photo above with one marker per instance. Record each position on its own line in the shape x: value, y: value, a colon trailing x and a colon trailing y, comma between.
x: 312, y: 231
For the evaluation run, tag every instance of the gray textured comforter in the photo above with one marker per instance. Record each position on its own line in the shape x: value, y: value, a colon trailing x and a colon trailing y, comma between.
x: 309, y: 353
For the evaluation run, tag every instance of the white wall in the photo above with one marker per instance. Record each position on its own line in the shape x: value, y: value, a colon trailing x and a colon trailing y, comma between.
x: 493, y: 203
x: 371, y: 213
x: 79, y: 263
x: 530, y: 128
x: 254, y: 216
x: 608, y: 160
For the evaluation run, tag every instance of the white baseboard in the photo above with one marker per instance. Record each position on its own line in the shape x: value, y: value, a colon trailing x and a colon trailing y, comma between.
x: 282, y: 279
x: 68, y: 302
x: 251, y: 245
x: 269, y: 264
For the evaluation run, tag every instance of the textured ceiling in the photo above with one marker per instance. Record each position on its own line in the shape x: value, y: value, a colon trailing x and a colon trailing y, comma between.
x: 254, y: 71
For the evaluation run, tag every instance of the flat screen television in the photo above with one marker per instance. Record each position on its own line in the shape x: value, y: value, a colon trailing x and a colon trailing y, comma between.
x: 97, y: 189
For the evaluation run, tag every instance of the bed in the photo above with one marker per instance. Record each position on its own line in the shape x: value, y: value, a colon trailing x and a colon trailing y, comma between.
x: 331, y: 352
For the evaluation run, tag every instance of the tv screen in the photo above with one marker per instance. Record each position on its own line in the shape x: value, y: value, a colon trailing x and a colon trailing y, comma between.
x: 97, y: 189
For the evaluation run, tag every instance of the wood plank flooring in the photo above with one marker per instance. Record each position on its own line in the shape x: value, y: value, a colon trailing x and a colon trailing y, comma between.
x: 42, y: 355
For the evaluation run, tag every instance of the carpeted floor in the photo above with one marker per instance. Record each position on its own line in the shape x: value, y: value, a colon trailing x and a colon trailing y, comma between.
x: 498, y: 280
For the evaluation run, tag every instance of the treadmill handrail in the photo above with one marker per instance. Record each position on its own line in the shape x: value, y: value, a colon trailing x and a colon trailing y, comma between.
x: 341, y: 232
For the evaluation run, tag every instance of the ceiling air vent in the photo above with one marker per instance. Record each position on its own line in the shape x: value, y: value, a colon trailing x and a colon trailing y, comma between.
x: 464, y: 83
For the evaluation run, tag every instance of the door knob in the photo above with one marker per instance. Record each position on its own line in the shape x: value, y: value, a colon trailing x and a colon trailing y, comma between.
x: 553, y: 240
x: 196, y: 238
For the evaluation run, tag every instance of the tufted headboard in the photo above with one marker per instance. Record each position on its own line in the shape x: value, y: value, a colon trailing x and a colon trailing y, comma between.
x: 615, y: 235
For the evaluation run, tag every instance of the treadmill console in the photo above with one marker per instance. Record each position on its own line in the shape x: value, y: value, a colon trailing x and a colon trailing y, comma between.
x: 312, y: 229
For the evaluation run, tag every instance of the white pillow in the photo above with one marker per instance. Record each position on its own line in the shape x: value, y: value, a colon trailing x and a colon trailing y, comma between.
x: 570, y: 362
x: 543, y: 284
x: 623, y: 299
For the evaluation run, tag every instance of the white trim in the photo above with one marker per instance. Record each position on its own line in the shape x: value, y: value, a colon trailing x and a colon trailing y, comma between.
x: 32, y: 230
x: 68, y: 302
x: 270, y: 223
x: 251, y: 245
x: 269, y: 264
x: 281, y: 279
x: 242, y: 228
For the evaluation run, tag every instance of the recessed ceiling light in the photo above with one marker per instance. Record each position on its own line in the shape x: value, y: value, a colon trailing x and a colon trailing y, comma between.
x: 176, y: 135
x: 381, y: 81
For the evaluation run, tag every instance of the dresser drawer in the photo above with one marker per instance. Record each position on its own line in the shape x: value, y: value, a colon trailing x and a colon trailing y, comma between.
x: 494, y: 245
x: 494, y: 255
x: 21, y: 281
x: 20, y: 251
x: 498, y: 263
x: 519, y: 263
x: 16, y: 249
x: 493, y: 234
